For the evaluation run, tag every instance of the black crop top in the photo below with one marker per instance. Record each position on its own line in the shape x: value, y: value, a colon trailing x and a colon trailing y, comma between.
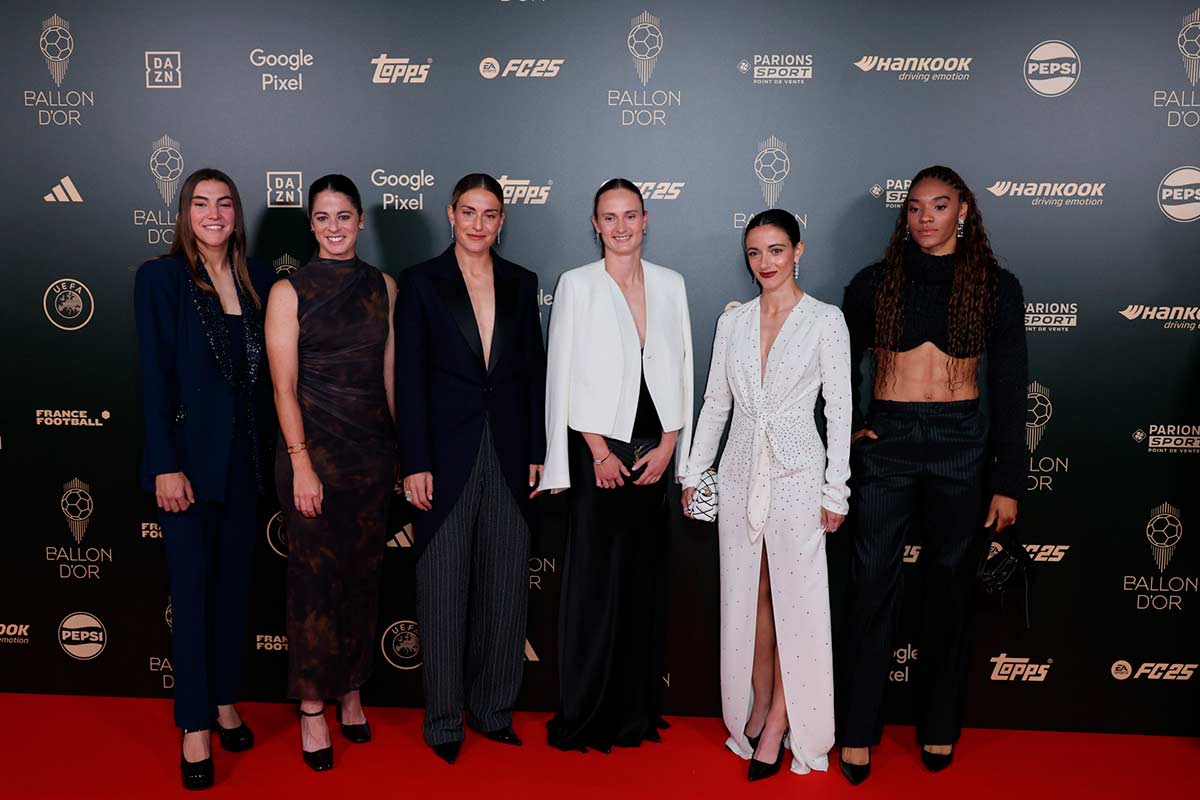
x: 925, y: 317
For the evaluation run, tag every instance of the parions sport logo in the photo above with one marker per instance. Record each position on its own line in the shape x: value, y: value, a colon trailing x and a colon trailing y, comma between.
x: 1051, y: 317
x: 1179, y: 194
x: 1170, y: 438
x: 645, y: 107
x: 55, y: 107
x: 893, y: 191
x: 1054, y: 194
x: 399, y: 69
x: 778, y: 69
x: 82, y: 636
x: 490, y: 68
x: 1181, y: 104
x: 1052, y: 68
x: 1153, y: 671
x: 1013, y: 669
x: 401, y: 644
x: 524, y: 192
x: 919, y: 69
x: 277, y: 78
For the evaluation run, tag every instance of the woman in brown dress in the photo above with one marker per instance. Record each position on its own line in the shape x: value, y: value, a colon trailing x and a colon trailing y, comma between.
x: 329, y: 339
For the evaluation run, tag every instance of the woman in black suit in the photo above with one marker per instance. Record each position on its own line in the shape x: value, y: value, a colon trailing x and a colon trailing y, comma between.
x: 471, y: 370
x: 200, y: 336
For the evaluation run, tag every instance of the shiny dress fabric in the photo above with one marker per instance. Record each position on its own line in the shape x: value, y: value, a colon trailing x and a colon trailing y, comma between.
x: 612, y: 613
x: 334, y: 559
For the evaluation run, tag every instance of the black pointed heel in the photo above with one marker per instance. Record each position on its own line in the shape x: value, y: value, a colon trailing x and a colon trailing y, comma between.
x: 358, y: 734
x: 448, y: 751
x: 855, y: 773
x: 196, y: 774
x: 936, y: 762
x: 761, y: 769
x: 235, y: 740
x: 317, y: 760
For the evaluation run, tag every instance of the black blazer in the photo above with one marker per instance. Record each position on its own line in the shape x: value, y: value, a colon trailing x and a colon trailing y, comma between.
x: 188, y: 405
x: 444, y: 394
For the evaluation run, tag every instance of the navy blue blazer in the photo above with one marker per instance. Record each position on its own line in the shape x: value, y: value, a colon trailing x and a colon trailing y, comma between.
x: 188, y: 405
x: 444, y: 393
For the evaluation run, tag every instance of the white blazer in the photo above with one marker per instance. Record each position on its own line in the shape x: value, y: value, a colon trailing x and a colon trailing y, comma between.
x: 594, y: 369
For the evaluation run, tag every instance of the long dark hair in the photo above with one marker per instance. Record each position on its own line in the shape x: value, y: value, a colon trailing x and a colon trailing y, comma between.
x: 477, y: 180
x: 972, y: 292
x: 610, y: 185
x: 185, y: 247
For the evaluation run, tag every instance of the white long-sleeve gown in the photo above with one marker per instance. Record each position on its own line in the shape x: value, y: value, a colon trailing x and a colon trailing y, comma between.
x: 773, y: 479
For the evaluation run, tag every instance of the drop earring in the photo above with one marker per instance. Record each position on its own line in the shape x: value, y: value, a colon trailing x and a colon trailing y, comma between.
x: 961, y: 222
x: 595, y: 236
x: 796, y: 270
x: 498, y: 232
x: 452, y: 231
x: 906, y: 233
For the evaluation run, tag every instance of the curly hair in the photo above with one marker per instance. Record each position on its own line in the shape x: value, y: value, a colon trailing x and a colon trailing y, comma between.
x: 972, y: 292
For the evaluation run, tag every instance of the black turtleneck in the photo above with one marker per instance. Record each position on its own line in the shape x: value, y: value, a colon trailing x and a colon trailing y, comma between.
x: 925, y: 316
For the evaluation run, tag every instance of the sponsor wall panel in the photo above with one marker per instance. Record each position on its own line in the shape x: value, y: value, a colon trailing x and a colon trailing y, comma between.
x: 1087, y: 174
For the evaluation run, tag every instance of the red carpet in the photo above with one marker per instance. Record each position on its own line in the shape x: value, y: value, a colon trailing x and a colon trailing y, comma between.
x: 73, y: 747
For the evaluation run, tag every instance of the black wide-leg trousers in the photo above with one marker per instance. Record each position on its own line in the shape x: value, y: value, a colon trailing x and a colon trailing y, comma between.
x: 926, y: 469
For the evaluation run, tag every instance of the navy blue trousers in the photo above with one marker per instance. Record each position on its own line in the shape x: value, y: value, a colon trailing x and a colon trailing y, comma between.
x: 210, y: 548
x: 926, y: 470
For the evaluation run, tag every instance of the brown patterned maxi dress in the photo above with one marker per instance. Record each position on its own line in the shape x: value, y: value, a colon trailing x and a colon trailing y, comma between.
x: 334, y: 559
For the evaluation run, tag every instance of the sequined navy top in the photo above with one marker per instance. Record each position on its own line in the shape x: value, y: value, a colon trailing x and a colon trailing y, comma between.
x: 924, y: 313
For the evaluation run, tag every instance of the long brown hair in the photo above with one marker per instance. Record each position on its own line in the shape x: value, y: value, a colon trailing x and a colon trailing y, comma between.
x: 185, y: 247
x: 972, y: 292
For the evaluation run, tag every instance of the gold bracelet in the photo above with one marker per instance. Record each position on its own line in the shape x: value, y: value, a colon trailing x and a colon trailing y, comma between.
x: 296, y: 448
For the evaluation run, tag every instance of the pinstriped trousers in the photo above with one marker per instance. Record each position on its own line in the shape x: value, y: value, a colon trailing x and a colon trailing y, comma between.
x: 925, y: 469
x: 472, y: 595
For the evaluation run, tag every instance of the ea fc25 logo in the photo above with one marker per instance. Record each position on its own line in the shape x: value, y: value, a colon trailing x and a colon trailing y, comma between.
x: 399, y: 69
x: 164, y: 69
x: 82, y: 636
x: 1009, y: 668
x: 489, y: 68
x: 771, y: 166
x: 1153, y: 671
x: 68, y: 304
x: 1052, y: 68
x: 1179, y: 194
x: 645, y: 43
x: 285, y: 189
x: 401, y: 644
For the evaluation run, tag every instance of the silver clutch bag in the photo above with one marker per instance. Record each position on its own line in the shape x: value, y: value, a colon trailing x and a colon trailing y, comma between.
x: 704, y: 500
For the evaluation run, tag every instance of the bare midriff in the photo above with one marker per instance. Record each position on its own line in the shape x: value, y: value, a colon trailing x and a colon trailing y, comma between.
x: 922, y: 375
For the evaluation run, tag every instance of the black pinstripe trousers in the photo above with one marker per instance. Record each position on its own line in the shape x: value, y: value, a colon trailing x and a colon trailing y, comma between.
x: 472, y: 594
x: 925, y: 469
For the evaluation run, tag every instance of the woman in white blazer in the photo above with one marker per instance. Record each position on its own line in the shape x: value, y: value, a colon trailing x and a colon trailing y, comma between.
x: 618, y: 410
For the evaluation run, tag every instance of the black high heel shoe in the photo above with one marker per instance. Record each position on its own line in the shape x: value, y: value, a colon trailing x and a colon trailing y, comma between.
x: 196, y: 774
x: 317, y: 760
x: 855, y: 773
x: 936, y: 762
x: 234, y: 740
x: 761, y: 769
x: 753, y: 740
x: 358, y: 734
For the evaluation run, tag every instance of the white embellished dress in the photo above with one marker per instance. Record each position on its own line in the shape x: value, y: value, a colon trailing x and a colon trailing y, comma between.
x: 773, y: 479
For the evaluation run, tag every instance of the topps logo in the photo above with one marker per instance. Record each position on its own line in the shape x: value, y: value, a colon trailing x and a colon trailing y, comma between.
x: 525, y: 192
x: 659, y: 190
x: 1018, y: 669
x: 398, y: 70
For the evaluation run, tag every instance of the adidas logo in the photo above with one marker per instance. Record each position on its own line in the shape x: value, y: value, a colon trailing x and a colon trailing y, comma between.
x: 402, y: 537
x: 64, y: 192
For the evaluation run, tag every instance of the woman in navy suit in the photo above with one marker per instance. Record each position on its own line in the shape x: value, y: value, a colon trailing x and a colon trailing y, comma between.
x: 206, y: 411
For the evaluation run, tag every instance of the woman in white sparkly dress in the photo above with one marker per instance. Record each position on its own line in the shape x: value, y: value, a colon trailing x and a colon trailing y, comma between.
x: 779, y: 492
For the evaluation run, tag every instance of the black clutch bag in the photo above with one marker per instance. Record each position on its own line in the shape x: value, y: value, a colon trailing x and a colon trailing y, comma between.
x: 1006, y: 569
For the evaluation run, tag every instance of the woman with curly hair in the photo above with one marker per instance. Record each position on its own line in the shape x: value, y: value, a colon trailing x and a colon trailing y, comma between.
x: 928, y: 455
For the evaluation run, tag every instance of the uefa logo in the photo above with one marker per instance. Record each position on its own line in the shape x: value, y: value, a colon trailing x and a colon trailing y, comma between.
x: 166, y: 166
x: 82, y: 636
x: 401, y: 645
x: 285, y: 264
x: 1038, y: 411
x: 1189, y: 46
x: 57, y: 45
x: 68, y: 304
x: 645, y: 43
x: 277, y: 535
x: 1179, y: 194
x: 772, y: 165
x: 1164, y: 531
x: 1052, y: 68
